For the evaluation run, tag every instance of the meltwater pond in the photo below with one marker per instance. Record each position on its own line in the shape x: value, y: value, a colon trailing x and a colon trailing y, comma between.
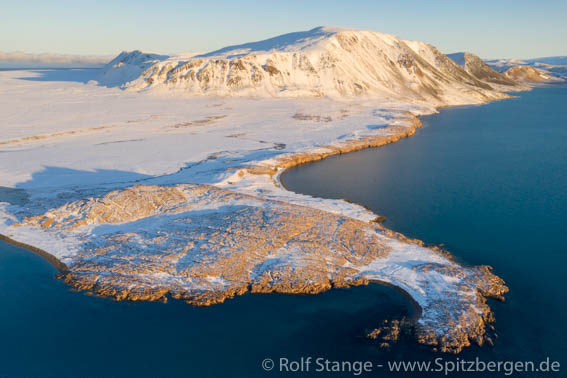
x: 490, y: 184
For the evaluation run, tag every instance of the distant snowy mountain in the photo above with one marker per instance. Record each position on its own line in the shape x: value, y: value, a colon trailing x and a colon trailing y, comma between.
x: 46, y: 60
x: 554, y: 67
x: 550, y: 60
x: 332, y: 62
x: 553, y: 60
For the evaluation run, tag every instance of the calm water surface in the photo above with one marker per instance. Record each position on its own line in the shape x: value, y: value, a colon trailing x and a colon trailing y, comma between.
x: 489, y: 182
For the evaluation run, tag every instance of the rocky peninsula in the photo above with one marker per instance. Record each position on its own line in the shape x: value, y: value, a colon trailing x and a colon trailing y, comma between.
x: 142, y: 197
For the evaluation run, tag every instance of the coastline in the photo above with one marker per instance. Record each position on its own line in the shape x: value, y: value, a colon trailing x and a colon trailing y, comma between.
x: 63, y: 269
x: 396, y: 132
x: 61, y: 266
x: 417, y: 309
x: 426, y: 334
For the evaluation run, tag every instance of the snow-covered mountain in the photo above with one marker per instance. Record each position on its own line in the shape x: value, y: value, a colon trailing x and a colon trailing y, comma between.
x: 324, y: 61
x: 549, y: 60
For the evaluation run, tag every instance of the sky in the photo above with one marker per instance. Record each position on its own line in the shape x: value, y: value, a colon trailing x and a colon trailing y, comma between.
x: 490, y: 29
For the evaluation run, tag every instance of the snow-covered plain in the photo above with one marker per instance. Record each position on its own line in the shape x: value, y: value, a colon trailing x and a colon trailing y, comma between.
x: 164, y: 190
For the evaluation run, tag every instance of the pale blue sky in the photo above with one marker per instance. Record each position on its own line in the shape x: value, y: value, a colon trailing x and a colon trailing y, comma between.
x: 491, y: 29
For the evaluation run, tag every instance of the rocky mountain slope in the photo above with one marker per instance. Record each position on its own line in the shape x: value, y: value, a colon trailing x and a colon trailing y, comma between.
x: 337, y: 63
x: 477, y: 68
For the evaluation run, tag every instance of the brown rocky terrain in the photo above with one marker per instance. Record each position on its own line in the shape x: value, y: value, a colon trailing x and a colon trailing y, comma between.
x: 482, y: 71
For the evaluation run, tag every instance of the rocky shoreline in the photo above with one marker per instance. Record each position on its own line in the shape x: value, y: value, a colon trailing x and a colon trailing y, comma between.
x: 248, y: 237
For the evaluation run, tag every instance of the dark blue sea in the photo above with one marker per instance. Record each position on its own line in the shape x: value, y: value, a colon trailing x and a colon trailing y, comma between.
x: 487, y: 182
